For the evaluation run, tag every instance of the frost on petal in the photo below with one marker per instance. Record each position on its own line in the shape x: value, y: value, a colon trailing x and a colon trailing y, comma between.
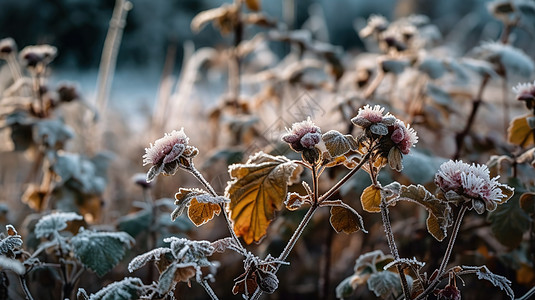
x: 525, y: 91
x: 156, y: 153
x: 303, y: 135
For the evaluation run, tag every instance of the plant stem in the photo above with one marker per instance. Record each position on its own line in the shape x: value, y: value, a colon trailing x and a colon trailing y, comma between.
x: 447, y: 255
x: 208, y: 289
x: 527, y: 296
x: 25, y: 289
x: 475, y: 106
x: 211, y: 190
x: 393, y: 248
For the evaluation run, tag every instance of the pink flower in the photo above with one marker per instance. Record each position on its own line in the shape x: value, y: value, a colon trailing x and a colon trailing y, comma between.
x: 303, y: 135
x: 403, y: 136
x: 166, y: 153
x: 472, y: 182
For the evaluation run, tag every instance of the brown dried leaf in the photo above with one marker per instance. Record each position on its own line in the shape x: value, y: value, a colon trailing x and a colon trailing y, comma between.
x: 257, y: 191
x: 519, y: 133
x: 201, y: 213
x: 345, y: 219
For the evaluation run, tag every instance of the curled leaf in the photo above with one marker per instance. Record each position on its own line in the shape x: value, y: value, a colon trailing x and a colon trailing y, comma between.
x: 346, y: 219
x: 202, y: 206
x: 336, y: 143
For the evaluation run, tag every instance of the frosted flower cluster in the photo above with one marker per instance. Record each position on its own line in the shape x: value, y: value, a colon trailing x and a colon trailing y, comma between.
x: 303, y: 135
x: 378, y: 123
x: 525, y: 92
x: 168, y: 153
x: 472, y: 182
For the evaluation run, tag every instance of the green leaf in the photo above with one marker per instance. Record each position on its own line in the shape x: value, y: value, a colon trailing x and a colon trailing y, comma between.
x: 439, y: 218
x: 257, y: 191
x: 509, y: 222
x: 126, y: 289
x: 100, y: 251
x: 383, y: 284
x: 54, y: 223
x: 337, y: 144
x: 135, y: 223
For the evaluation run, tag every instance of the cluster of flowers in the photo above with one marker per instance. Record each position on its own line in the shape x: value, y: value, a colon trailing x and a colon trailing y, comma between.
x: 472, y: 183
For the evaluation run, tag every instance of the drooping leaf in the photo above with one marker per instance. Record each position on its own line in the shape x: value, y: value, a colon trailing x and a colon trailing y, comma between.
x: 294, y: 201
x: 439, y: 218
x: 126, y: 289
x: 223, y: 244
x: 100, y: 251
x: 383, y: 284
x: 54, y: 223
x: 344, y: 289
x: 497, y: 280
x: 202, y: 207
x: 345, y: 218
x: 257, y: 191
x: 12, y: 264
x: 337, y: 144
x: 372, y: 262
x: 509, y: 222
x: 519, y: 132
x: 395, y: 159
x: 11, y: 242
x: 371, y: 199
x: 200, y: 213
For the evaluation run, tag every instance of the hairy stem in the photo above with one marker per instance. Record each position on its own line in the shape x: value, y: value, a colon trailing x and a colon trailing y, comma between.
x: 211, y: 190
x: 447, y: 254
x: 25, y: 288
x: 394, y: 248
x: 475, y: 106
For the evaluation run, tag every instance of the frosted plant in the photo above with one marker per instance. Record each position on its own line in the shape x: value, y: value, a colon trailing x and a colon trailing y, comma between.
x: 473, y: 183
x: 36, y: 58
x: 168, y: 154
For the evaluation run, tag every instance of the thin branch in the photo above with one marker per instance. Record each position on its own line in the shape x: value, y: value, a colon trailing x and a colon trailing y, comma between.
x: 208, y: 289
x: 25, y: 289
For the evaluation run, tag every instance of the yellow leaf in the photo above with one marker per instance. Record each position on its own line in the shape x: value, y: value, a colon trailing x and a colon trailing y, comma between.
x: 519, y: 132
x: 200, y: 213
x: 346, y: 220
x: 253, y: 5
x: 371, y: 199
x: 257, y: 192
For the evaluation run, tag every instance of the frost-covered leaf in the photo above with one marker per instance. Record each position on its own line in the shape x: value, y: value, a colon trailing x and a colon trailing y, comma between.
x: 101, y: 251
x: 51, y: 133
x: 175, y: 272
x: 202, y: 206
x: 519, y: 132
x: 141, y: 260
x: 439, y: 218
x: 395, y: 159
x: 12, y: 264
x: 509, y: 222
x: 405, y: 262
x: 257, y: 191
x: 294, y: 201
x: 345, y: 218
x: 11, y: 242
x: 126, y: 289
x: 344, y: 289
x: 337, y: 144
x: 497, y: 280
x: 190, y: 251
x: 383, y: 284
x: 135, y: 223
x: 54, y: 223
x: 371, y: 262
x: 371, y: 199
x: 223, y: 244
x: 511, y: 59
x: 434, y: 68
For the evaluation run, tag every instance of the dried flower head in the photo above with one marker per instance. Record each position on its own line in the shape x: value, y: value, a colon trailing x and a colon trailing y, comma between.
x: 303, y: 135
x: 525, y: 92
x: 7, y: 47
x: 169, y: 153
x: 37, y: 57
x: 374, y: 120
x: 473, y: 183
